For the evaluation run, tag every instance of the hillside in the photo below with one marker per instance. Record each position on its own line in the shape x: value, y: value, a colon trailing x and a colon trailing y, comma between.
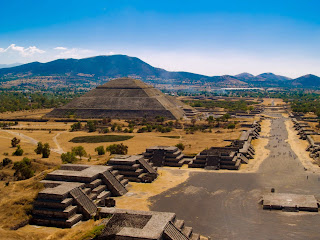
x: 308, y: 80
x: 101, y: 66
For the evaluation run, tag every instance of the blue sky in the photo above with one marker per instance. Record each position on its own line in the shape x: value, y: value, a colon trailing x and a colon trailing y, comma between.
x: 207, y: 37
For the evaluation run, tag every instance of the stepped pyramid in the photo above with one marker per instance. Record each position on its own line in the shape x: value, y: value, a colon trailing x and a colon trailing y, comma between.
x: 123, y: 98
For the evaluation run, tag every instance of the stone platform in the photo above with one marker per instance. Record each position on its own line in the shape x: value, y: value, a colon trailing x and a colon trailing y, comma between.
x: 229, y: 157
x: 129, y: 224
x: 290, y: 202
x: 73, y: 193
x: 164, y: 156
x: 134, y: 168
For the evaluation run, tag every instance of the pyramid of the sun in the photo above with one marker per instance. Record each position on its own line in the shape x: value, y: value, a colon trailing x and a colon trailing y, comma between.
x: 123, y: 98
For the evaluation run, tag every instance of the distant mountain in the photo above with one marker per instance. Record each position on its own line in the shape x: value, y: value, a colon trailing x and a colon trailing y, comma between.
x: 227, y: 80
x: 109, y: 67
x: 10, y: 65
x: 245, y: 76
x: 270, y: 77
x: 307, y: 81
x: 100, y: 68
x: 264, y: 77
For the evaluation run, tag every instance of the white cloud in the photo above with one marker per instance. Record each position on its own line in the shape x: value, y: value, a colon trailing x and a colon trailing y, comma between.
x: 22, y: 51
x: 74, y: 53
x: 60, y: 48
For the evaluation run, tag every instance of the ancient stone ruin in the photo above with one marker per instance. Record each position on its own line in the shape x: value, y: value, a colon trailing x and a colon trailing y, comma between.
x: 164, y: 156
x: 229, y: 157
x: 73, y: 193
x: 123, y: 98
x: 129, y: 224
x: 305, y: 132
x: 135, y: 168
x: 289, y: 202
x: 80, y: 192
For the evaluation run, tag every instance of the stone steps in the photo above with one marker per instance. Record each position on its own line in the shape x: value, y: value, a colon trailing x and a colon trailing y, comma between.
x: 187, y: 231
x: 85, y: 204
x: 113, y: 184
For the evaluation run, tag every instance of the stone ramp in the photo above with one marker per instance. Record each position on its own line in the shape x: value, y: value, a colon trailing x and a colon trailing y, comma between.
x: 113, y: 184
x: 86, y: 205
x: 146, y: 166
x: 173, y: 233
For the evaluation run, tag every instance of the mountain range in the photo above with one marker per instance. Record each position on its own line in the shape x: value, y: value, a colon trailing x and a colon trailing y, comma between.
x: 114, y: 66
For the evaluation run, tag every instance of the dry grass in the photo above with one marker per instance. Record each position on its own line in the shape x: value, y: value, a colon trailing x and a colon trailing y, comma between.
x: 25, y: 114
x: 277, y: 101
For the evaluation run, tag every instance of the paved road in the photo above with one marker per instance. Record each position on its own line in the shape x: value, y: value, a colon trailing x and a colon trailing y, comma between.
x: 225, y: 205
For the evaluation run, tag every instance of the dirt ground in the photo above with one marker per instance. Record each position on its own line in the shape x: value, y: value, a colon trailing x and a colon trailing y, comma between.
x: 277, y: 101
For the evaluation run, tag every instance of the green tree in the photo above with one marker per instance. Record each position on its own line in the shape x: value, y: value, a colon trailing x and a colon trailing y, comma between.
x: 68, y: 157
x: 100, y: 150
x: 231, y: 126
x: 15, y: 141
x: 76, y: 126
x: 39, y: 148
x: 91, y: 125
x: 79, y: 151
x: 46, y: 150
x: 6, y: 161
x: 180, y: 146
x: 117, y: 149
x: 18, y: 152
x: 23, y: 169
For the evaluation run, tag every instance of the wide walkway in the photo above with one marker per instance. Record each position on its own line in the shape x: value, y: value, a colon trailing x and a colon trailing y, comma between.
x: 226, y: 205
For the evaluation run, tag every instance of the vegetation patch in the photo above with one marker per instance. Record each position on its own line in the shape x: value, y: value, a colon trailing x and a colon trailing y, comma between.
x: 100, y: 138
x: 176, y: 137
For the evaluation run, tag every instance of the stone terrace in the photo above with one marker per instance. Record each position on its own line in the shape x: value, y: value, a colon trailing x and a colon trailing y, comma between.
x: 164, y: 156
x: 73, y: 193
x: 135, y: 168
x: 229, y: 157
x: 129, y: 224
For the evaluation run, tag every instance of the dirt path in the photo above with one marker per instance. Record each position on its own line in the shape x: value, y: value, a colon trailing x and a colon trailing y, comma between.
x: 59, y: 148
x: 226, y: 206
x: 34, y: 141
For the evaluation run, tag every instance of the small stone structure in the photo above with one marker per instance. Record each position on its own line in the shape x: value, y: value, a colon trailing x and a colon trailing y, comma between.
x: 229, y: 157
x: 164, y: 156
x: 135, y: 168
x: 73, y: 193
x: 130, y: 224
x: 289, y: 202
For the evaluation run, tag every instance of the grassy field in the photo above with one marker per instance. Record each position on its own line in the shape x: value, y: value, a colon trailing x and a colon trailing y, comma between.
x: 100, y: 138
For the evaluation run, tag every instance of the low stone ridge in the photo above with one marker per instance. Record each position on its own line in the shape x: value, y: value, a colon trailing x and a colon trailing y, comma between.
x: 230, y: 157
x: 73, y: 193
x: 164, y: 156
x: 129, y: 224
x: 289, y: 202
x: 123, y: 98
x: 135, y: 168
